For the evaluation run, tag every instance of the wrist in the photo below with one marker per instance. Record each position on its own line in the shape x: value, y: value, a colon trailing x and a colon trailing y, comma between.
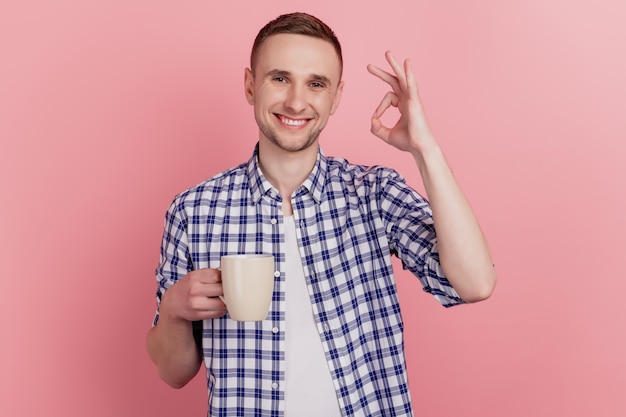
x: 168, y: 310
x: 427, y: 156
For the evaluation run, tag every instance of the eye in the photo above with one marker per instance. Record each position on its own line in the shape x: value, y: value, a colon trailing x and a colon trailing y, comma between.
x: 317, y: 84
x: 280, y: 79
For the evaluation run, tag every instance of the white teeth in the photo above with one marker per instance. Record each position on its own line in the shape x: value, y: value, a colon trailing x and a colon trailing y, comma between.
x: 291, y: 122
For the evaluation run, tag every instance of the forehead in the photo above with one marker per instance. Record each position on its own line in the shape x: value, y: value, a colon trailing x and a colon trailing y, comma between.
x: 298, y: 54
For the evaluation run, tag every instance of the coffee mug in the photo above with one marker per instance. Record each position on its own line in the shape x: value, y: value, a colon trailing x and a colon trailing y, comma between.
x: 248, y: 285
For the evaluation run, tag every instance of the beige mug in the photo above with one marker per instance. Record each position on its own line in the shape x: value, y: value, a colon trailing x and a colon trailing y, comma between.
x: 248, y: 285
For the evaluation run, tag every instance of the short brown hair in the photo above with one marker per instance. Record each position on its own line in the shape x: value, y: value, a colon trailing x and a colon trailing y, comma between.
x: 297, y: 24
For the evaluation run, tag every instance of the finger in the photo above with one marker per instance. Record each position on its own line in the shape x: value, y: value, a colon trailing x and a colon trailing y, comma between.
x: 377, y: 127
x: 397, y: 69
x: 200, y: 289
x: 411, y: 81
x: 390, y: 99
x: 379, y: 130
x: 207, y: 305
x: 215, y: 308
x: 206, y: 275
x: 213, y: 314
x: 216, y: 304
x: 385, y: 76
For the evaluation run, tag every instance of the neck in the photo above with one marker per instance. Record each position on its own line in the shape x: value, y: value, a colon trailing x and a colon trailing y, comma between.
x: 286, y: 170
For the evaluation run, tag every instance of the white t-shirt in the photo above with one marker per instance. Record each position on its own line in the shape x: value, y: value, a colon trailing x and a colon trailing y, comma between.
x: 309, y: 389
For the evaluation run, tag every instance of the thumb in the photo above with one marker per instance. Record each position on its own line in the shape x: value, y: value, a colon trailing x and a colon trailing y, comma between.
x: 379, y: 130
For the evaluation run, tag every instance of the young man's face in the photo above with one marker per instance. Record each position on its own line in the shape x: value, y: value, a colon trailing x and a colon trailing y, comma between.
x: 294, y: 89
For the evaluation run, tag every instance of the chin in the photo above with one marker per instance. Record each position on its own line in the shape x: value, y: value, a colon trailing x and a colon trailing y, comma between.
x: 293, y: 145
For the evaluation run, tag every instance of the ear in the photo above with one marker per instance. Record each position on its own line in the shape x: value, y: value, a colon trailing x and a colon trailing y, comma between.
x: 337, y: 98
x: 248, y: 82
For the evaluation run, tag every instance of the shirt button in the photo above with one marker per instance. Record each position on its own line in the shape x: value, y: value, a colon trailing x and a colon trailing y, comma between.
x: 326, y: 328
x: 273, y: 221
x: 277, y: 274
x: 274, y: 330
x: 275, y: 385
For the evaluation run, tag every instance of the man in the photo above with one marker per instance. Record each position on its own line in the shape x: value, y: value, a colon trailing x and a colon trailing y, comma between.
x: 332, y: 342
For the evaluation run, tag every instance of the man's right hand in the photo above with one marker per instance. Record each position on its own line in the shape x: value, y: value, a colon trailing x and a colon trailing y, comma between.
x: 195, y: 296
x: 171, y: 342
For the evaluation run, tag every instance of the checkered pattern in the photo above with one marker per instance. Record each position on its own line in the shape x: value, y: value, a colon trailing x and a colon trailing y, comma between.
x: 349, y: 220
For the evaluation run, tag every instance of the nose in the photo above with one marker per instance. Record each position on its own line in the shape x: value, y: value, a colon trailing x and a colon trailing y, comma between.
x: 295, y: 100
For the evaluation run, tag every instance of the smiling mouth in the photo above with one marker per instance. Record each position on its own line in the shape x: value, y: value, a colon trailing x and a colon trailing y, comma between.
x: 292, y: 122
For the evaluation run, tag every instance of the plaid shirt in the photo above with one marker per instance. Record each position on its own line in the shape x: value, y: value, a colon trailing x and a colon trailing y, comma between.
x: 349, y: 220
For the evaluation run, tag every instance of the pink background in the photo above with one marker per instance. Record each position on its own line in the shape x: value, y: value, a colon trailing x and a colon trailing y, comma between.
x: 108, y: 109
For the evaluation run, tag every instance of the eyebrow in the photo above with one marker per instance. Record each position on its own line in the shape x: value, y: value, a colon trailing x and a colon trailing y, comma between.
x: 314, y: 77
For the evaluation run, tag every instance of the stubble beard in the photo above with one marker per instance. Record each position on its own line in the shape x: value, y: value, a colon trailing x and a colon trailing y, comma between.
x: 290, y: 146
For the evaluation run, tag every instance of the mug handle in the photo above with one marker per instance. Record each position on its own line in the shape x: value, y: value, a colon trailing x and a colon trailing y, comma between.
x: 219, y: 268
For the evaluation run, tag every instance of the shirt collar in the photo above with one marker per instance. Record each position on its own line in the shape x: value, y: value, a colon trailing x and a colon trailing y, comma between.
x: 314, y: 184
x: 316, y: 180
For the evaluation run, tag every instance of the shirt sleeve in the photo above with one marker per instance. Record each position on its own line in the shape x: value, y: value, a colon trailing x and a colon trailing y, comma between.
x: 412, y: 237
x: 174, y: 260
